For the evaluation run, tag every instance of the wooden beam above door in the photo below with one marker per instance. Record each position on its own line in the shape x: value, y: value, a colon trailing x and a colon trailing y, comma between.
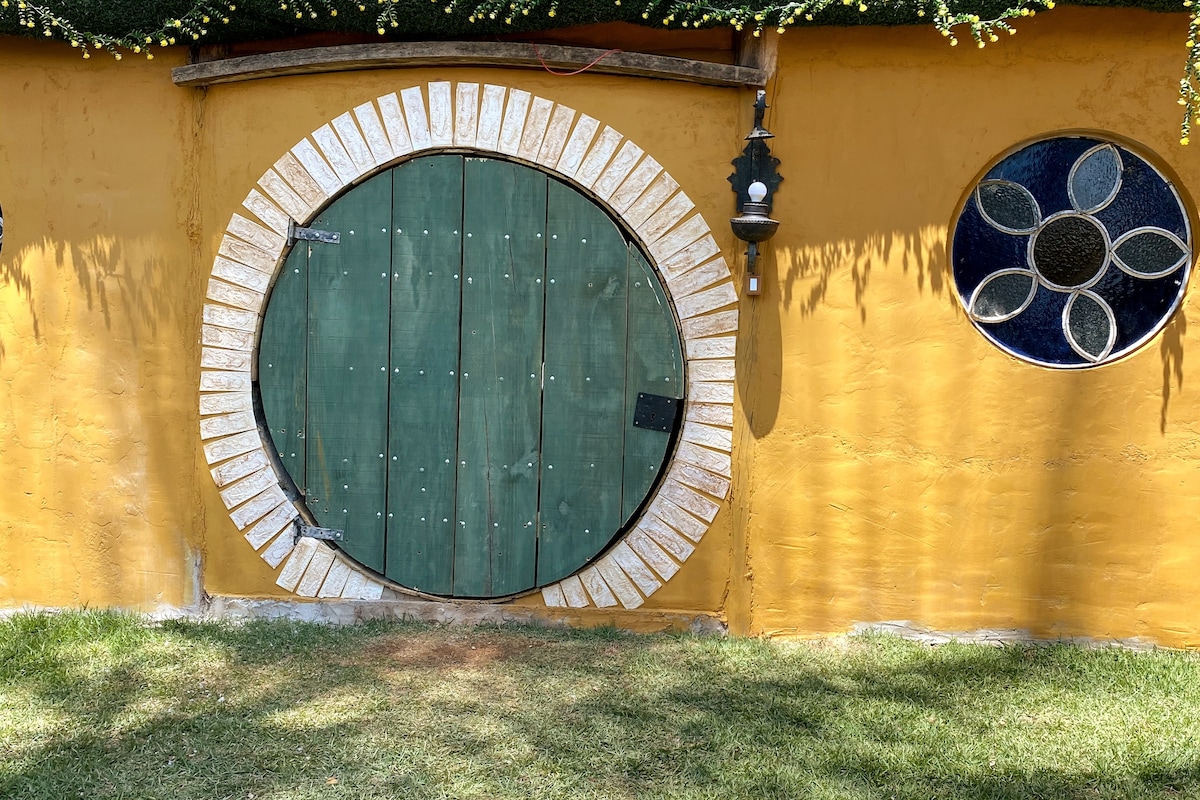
x: 394, y: 55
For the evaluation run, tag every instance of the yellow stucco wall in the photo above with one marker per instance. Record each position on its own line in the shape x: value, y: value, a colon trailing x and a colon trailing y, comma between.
x: 903, y: 468
x: 890, y: 463
x: 99, y: 502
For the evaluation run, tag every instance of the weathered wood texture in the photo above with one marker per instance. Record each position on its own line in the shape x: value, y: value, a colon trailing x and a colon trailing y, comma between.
x: 583, y: 417
x: 283, y: 364
x: 426, y: 269
x: 347, y: 363
x: 504, y: 268
x: 385, y: 55
x: 655, y: 366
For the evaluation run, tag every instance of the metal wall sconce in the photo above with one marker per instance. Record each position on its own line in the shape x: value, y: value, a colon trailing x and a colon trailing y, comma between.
x: 754, y: 182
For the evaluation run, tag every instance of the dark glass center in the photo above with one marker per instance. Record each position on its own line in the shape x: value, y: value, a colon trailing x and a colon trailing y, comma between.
x: 1069, y: 251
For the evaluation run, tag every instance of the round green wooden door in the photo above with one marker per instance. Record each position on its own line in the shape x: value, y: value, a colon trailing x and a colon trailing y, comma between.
x: 454, y: 385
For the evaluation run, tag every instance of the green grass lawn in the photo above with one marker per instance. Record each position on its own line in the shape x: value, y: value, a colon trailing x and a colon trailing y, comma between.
x: 98, y: 705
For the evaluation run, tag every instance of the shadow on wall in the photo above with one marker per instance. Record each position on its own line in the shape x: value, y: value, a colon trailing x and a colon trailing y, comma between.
x: 798, y: 282
x: 14, y: 275
x: 1171, y: 353
x: 867, y: 454
x: 807, y: 272
x: 104, y: 275
x: 100, y: 458
x: 305, y: 710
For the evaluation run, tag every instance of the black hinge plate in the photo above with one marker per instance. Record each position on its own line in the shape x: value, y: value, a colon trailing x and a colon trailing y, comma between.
x: 310, y: 532
x: 655, y: 412
x: 296, y: 233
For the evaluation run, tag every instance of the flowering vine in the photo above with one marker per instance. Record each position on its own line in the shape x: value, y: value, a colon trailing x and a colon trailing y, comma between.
x: 190, y: 26
x: 954, y: 19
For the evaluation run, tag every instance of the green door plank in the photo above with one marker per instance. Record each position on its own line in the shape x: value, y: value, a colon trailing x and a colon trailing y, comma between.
x: 423, y: 400
x: 348, y: 296
x: 655, y: 366
x: 583, y: 411
x: 504, y: 220
x: 282, y: 367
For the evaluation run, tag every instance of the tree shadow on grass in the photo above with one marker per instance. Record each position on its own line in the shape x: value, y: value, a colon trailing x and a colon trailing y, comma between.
x: 278, y: 710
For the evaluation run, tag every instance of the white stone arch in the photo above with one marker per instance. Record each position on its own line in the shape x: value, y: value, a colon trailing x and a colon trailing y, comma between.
x: 574, y: 147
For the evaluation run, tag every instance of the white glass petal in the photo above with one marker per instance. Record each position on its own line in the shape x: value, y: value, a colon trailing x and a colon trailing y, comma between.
x: 1089, y: 325
x: 1150, y: 252
x: 1095, y: 178
x: 1003, y: 295
x: 1008, y: 206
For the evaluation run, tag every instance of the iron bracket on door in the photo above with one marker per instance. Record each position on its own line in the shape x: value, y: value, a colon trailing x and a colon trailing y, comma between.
x: 656, y: 413
x: 296, y: 233
x: 311, y: 532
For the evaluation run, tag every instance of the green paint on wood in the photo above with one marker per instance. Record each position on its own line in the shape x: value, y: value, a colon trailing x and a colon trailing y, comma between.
x: 583, y: 413
x: 407, y: 362
x: 426, y: 284
x: 504, y: 269
x: 282, y: 367
x: 348, y: 297
x: 654, y: 365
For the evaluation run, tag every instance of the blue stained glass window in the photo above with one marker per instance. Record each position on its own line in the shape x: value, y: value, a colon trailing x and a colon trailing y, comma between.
x: 1072, y: 252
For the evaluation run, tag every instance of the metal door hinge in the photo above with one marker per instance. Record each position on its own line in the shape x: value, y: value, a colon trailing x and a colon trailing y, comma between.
x: 310, y: 532
x: 656, y: 413
x: 295, y: 233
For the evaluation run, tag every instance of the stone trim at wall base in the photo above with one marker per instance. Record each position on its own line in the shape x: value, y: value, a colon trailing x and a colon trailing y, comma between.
x: 349, y: 612
x: 399, y: 608
x: 997, y: 637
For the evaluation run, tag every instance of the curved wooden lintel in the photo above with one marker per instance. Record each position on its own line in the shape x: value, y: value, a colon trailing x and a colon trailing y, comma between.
x: 391, y: 55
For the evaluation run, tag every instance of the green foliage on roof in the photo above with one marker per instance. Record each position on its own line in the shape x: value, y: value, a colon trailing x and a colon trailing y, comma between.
x: 121, y: 22
x: 139, y: 26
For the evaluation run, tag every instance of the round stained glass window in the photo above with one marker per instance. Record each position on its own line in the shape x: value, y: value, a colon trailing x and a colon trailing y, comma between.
x: 1071, y: 252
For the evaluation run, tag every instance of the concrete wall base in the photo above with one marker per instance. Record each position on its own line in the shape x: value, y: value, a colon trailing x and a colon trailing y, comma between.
x: 991, y: 636
x: 349, y: 612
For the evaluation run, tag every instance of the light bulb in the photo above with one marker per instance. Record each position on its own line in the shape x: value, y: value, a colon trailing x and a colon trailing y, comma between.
x: 757, y: 191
